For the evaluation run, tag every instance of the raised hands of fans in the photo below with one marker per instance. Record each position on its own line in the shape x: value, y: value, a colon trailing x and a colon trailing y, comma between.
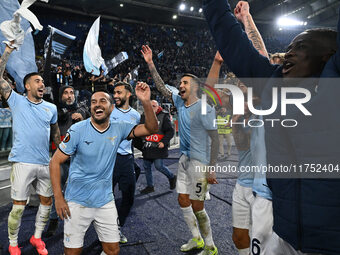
x: 241, y: 10
x: 143, y: 91
x: 147, y: 54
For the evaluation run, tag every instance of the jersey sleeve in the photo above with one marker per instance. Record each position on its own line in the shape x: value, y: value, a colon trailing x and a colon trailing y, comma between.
x: 177, y: 99
x: 54, y: 115
x: 208, y: 119
x: 126, y: 128
x: 13, y: 100
x: 70, y: 143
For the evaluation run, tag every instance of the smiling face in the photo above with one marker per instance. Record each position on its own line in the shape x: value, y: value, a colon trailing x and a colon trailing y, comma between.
x: 305, y: 56
x: 121, y: 96
x: 35, y: 87
x: 187, y: 87
x: 101, y: 107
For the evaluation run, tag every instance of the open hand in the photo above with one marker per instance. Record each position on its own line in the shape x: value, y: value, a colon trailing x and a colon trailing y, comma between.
x: 147, y: 54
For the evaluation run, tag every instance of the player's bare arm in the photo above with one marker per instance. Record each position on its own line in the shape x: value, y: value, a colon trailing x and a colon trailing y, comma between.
x: 60, y: 204
x: 5, y: 88
x: 55, y: 133
x: 213, y: 134
x: 243, y: 15
x: 242, y: 139
x: 151, y: 124
x: 147, y: 54
x: 215, y: 68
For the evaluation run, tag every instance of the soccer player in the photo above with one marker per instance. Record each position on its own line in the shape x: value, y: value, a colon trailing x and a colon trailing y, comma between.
x: 124, y: 168
x: 92, y: 145
x: 195, y: 131
x: 34, y: 121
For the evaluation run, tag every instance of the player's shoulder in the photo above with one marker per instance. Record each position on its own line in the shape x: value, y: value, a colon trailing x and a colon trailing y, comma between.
x: 79, y: 125
x: 134, y: 112
x: 49, y: 105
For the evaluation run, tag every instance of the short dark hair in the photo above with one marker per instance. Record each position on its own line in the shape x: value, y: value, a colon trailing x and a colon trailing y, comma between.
x: 105, y: 91
x: 126, y: 85
x: 28, y: 76
x: 328, y: 37
x: 194, y: 77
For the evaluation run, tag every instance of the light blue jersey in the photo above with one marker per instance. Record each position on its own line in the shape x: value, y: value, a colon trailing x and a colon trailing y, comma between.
x: 258, y: 153
x: 193, y: 129
x: 130, y: 115
x: 93, y: 155
x: 31, y: 129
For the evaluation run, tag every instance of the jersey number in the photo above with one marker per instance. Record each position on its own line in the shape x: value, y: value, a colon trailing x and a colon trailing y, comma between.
x: 255, y: 247
x: 199, y: 187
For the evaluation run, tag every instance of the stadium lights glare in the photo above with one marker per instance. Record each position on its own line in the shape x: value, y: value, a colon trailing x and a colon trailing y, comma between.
x: 121, y: 5
x: 289, y: 22
x: 174, y: 17
x: 200, y: 10
x: 191, y: 8
x: 182, y: 7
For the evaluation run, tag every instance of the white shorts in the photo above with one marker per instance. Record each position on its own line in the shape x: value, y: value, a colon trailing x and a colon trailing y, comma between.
x: 241, y: 209
x: 262, y: 225
x: 192, y: 179
x: 23, y: 174
x: 278, y: 246
x: 105, y: 221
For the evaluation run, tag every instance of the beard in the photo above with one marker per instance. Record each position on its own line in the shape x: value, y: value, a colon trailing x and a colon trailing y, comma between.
x: 122, y: 102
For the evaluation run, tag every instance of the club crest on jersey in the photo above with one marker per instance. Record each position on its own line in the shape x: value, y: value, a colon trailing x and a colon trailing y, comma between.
x: 112, y: 139
x: 67, y: 137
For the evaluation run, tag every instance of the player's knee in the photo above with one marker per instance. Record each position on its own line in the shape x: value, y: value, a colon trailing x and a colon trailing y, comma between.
x: 184, y: 200
x: 197, y: 206
x: 45, y: 200
x: 241, y: 238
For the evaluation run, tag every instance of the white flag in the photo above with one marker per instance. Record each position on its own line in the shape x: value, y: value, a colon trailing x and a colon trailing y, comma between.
x: 92, y: 55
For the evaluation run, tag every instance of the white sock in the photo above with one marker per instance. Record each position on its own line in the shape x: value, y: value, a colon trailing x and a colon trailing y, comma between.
x: 204, y: 224
x: 190, y: 219
x: 41, y: 219
x: 245, y: 251
x: 14, y: 222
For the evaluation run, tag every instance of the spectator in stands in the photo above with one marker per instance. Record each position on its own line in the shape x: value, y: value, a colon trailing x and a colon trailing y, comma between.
x: 155, y: 148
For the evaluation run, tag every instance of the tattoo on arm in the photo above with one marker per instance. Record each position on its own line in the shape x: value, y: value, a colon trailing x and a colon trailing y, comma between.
x: 55, y: 133
x: 5, y: 88
x: 255, y: 36
x: 159, y: 82
x: 242, y: 139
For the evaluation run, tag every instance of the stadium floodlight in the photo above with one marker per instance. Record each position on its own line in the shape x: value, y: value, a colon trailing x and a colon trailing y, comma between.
x: 182, y: 7
x: 200, y: 10
x: 121, y: 5
x: 174, y: 17
x: 191, y: 8
x: 289, y: 22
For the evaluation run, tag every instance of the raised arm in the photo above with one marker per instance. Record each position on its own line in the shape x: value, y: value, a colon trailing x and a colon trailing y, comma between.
x: 151, y: 123
x: 5, y: 88
x: 233, y: 44
x: 147, y: 54
x: 215, y: 68
x: 243, y: 15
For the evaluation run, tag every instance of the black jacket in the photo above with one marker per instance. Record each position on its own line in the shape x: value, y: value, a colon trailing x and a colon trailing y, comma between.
x: 149, y: 145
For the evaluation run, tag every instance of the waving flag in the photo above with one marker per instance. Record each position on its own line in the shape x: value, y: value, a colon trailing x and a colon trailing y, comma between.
x: 92, y: 55
x: 60, y: 42
x: 118, y: 59
x: 22, y: 61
